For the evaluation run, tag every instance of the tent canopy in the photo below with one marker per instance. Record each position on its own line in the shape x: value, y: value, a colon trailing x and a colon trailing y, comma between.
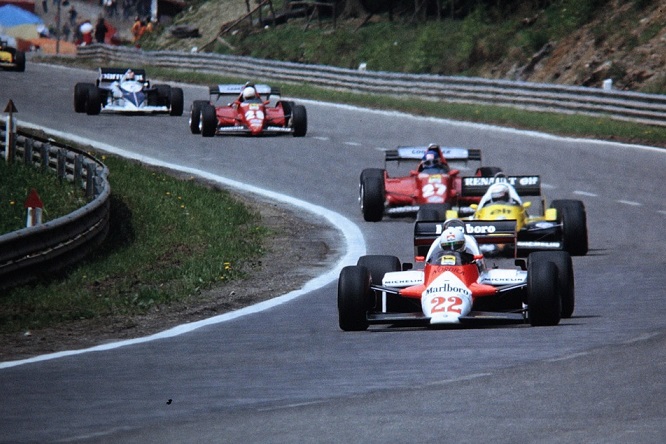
x: 19, y: 23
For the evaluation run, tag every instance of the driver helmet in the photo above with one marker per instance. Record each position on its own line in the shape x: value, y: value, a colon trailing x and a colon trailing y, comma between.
x: 249, y: 93
x: 129, y: 75
x: 452, y: 239
x: 431, y: 157
x: 499, y: 192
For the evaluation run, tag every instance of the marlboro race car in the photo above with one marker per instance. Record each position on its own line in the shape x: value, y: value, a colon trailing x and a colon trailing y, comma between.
x: 126, y: 90
x: 247, y: 109
x: 454, y: 286
x: 430, y: 189
x: 563, y: 226
x: 11, y: 58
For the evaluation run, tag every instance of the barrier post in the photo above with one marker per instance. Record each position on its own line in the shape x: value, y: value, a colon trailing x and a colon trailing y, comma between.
x: 10, y: 138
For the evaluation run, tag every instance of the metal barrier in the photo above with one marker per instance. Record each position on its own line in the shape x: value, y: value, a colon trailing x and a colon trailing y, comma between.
x: 622, y: 105
x: 43, y: 249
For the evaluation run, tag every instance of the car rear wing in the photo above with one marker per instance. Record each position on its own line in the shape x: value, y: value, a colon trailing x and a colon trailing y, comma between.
x: 110, y: 75
x: 417, y: 153
x: 236, y: 89
x: 484, y: 231
x: 524, y: 185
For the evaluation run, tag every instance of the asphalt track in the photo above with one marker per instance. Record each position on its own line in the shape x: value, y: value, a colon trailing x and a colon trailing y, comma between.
x: 284, y: 372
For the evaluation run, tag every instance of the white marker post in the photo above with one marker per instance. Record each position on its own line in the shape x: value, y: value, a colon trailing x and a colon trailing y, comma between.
x: 11, y: 132
x: 34, y: 206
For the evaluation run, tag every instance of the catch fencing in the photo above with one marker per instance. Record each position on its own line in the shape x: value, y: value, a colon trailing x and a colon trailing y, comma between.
x: 46, y: 248
x: 623, y: 105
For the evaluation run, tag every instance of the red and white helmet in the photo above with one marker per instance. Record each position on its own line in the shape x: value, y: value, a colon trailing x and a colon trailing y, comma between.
x: 452, y: 239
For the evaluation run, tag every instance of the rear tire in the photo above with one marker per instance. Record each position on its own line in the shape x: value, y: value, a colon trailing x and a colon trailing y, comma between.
x: 432, y: 212
x: 299, y: 120
x: 488, y: 171
x: 163, y: 95
x: 208, y: 120
x: 572, y: 215
x: 354, y: 296
x: 544, y: 305
x: 372, y: 194
x: 20, y: 61
x: 565, y: 277
x: 177, y: 102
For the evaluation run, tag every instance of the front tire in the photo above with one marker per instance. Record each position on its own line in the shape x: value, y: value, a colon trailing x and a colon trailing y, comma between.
x: 372, y: 194
x: 378, y: 265
x: 354, y: 295
x: 299, y: 120
x: 93, y: 101
x: 81, y: 96
x: 208, y: 120
x: 195, y: 115
x: 19, y: 61
x: 544, y: 305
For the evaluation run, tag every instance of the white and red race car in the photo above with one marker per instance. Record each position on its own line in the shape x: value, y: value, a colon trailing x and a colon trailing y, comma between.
x: 454, y: 287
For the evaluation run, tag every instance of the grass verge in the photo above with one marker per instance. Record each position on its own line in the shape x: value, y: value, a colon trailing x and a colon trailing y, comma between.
x: 170, y: 239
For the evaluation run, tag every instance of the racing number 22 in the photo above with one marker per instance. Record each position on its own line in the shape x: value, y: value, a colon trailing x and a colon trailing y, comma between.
x: 452, y: 304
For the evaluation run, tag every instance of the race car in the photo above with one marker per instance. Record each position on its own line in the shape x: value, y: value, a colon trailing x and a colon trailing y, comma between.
x: 126, y: 90
x: 455, y: 287
x: 563, y: 226
x: 11, y: 59
x: 247, y: 109
x: 427, y: 191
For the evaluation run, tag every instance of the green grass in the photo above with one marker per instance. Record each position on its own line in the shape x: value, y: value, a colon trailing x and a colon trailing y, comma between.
x: 16, y: 182
x: 170, y: 238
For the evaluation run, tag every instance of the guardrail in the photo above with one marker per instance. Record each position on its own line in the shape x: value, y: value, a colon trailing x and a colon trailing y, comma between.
x: 43, y: 249
x: 622, y: 105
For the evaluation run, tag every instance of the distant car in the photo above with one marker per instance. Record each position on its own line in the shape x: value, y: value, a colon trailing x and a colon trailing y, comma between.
x: 126, y: 90
x: 455, y: 287
x: 228, y: 112
x: 562, y: 226
x: 11, y: 59
x: 423, y: 193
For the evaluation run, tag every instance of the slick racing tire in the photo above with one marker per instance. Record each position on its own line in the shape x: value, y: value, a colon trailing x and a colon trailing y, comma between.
x: 177, y: 102
x: 572, y: 215
x: 195, y: 115
x: 432, y: 212
x: 354, y: 298
x: 208, y: 123
x: 299, y: 120
x: 544, y: 305
x: 372, y: 194
x: 81, y: 96
x: 565, y: 277
x: 488, y: 171
x: 19, y: 60
x: 378, y: 265
x: 163, y: 95
x: 93, y: 101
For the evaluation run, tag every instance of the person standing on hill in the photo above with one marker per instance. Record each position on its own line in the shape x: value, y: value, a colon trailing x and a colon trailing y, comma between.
x: 100, y: 30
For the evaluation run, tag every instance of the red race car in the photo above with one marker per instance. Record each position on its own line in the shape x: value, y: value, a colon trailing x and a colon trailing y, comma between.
x: 247, y: 109
x: 429, y: 190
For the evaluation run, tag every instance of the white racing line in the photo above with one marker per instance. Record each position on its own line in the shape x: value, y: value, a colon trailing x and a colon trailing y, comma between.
x: 354, y: 247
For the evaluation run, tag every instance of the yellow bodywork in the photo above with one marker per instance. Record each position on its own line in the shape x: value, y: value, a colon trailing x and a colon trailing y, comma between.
x: 506, y: 211
x: 6, y: 57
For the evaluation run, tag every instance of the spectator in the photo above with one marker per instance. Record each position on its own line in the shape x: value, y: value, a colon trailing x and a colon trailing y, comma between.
x: 73, y: 14
x: 66, y: 31
x: 138, y: 28
x: 100, y: 30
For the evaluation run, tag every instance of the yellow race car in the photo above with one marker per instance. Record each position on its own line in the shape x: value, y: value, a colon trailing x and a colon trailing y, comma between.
x: 562, y: 226
x: 11, y: 58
